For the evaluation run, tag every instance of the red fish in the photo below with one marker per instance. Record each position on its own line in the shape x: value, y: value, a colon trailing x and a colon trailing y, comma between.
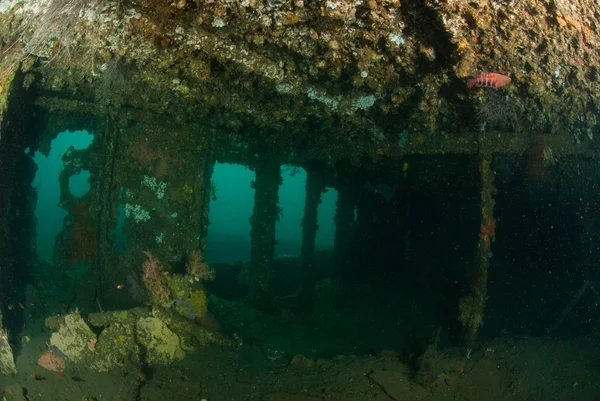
x: 488, y: 80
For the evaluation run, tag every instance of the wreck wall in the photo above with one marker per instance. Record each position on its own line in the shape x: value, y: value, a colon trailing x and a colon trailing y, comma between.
x: 78, y: 246
x: 17, y: 198
x: 161, y: 177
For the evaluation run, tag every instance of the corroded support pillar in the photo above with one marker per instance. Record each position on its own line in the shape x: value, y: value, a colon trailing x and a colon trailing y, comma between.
x: 344, y: 223
x: 17, y: 224
x: 262, y: 235
x: 589, y: 193
x: 362, y: 249
x: 314, y: 189
x: 206, y: 188
x: 106, y: 199
x: 7, y: 165
x: 162, y: 184
x: 472, y: 307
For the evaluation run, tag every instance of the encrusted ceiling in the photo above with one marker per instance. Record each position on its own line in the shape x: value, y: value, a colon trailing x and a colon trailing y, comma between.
x: 326, y: 80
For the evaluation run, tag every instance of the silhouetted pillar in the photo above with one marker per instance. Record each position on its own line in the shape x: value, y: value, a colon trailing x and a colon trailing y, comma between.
x: 262, y: 236
x: 344, y: 228
x: 314, y: 189
x: 107, y: 199
x: 363, y: 247
x: 17, y: 169
x: 589, y: 191
x: 206, y: 188
x: 7, y: 167
x: 472, y: 307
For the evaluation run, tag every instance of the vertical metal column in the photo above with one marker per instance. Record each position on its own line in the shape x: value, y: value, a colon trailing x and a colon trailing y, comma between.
x: 314, y: 189
x: 471, y: 307
x: 262, y: 234
x: 344, y: 222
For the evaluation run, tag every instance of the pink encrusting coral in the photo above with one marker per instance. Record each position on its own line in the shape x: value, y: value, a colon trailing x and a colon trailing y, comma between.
x: 151, y: 267
x: 197, y: 267
x: 52, y: 362
x: 152, y: 276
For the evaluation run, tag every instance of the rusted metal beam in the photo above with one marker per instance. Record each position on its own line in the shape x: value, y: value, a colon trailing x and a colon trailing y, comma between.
x: 419, y: 144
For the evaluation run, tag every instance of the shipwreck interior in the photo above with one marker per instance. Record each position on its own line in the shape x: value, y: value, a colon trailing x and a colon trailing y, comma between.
x: 313, y: 185
x: 435, y: 228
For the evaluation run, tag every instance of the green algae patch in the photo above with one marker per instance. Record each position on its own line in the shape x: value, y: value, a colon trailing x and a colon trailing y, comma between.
x: 53, y: 323
x: 116, y: 348
x: 161, y: 345
x: 190, y: 333
x: 191, y: 305
x: 198, y: 303
x: 105, y: 319
x: 177, y: 292
x: 177, y: 285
